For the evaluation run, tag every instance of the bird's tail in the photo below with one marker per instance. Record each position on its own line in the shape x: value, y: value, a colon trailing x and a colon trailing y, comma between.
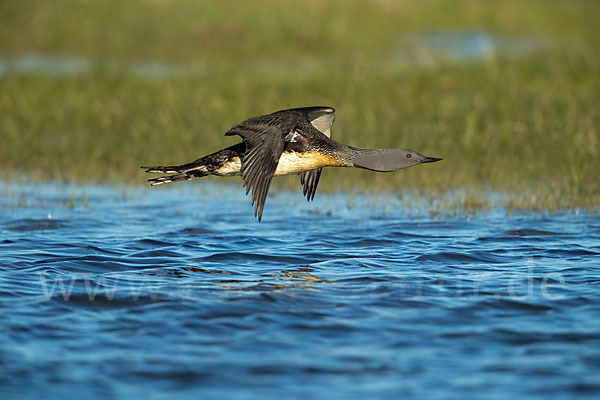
x: 183, y: 172
x: 197, y: 165
x: 169, y: 179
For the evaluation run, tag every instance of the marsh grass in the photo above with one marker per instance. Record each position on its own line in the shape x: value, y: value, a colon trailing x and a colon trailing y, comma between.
x: 524, y: 125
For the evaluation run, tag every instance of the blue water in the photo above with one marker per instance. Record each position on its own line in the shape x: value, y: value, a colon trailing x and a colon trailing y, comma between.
x: 178, y: 292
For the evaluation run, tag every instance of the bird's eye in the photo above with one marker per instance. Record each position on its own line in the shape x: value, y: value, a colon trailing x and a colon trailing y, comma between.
x: 408, y: 155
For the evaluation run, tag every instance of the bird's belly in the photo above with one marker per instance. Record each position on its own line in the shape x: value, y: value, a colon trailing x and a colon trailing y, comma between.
x: 292, y: 162
x: 229, y: 168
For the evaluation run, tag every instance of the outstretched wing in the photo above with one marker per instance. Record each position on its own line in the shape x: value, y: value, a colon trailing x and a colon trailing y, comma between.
x: 265, y: 138
x: 264, y: 145
x: 321, y: 118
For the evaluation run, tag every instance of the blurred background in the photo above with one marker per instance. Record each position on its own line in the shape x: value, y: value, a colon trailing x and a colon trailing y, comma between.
x: 507, y: 92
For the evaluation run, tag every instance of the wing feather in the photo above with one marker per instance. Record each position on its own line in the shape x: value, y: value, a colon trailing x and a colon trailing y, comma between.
x: 310, y: 180
x: 264, y: 145
x: 322, y: 119
x: 265, y: 139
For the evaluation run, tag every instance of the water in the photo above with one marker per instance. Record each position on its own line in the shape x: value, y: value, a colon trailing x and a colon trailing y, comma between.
x: 54, y: 65
x: 179, y: 293
x: 421, y: 50
x: 446, y: 47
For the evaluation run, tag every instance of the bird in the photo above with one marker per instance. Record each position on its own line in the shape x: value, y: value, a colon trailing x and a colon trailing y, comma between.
x: 291, y: 141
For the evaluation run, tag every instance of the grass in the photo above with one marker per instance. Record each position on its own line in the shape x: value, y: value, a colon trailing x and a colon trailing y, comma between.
x: 524, y: 125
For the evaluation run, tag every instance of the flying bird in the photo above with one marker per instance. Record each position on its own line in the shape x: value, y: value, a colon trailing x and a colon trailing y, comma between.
x: 293, y: 141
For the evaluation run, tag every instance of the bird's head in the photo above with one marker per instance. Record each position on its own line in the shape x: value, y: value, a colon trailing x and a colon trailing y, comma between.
x: 385, y: 160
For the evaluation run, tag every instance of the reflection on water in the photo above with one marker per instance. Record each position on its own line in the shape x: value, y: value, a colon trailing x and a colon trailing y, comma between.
x: 180, y: 293
x: 428, y: 49
x: 299, y: 275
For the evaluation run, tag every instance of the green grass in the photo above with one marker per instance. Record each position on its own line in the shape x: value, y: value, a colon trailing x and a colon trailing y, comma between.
x: 523, y: 125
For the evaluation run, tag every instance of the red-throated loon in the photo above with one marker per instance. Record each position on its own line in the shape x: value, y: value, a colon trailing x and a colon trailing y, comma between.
x: 294, y: 141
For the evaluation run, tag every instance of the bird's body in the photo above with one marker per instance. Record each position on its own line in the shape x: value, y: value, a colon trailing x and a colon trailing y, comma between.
x: 290, y: 162
x: 294, y: 141
x: 228, y: 162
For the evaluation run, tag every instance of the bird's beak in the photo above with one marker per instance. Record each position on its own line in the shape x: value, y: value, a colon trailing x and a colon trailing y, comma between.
x: 431, y: 159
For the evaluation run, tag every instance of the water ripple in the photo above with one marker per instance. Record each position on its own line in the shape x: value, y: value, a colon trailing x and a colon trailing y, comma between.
x: 29, y: 224
x: 132, y: 296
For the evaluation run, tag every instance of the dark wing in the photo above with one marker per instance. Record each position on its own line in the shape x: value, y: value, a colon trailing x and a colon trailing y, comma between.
x: 310, y: 180
x: 264, y: 137
x: 264, y: 145
x: 321, y: 118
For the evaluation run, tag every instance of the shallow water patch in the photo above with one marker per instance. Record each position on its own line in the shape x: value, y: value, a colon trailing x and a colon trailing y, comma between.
x: 419, y: 50
x: 443, y: 47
